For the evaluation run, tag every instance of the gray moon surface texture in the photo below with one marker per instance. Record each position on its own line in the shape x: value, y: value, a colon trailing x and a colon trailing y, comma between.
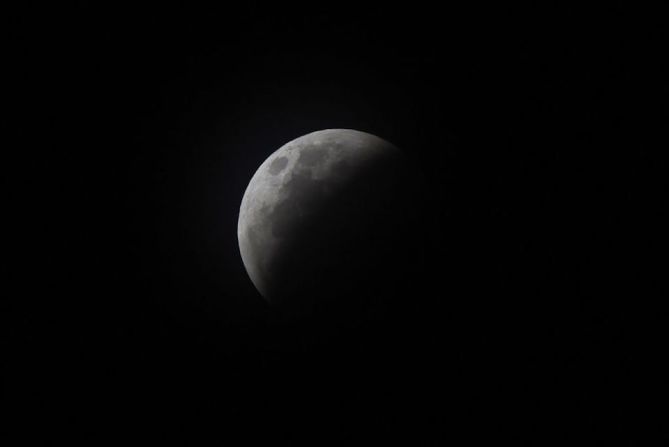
x: 322, y: 218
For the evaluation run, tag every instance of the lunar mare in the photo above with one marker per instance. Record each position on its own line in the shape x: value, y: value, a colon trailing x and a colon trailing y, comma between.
x: 316, y: 214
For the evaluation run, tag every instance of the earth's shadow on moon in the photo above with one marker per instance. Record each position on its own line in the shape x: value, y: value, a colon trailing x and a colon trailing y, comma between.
x: 357, y: 262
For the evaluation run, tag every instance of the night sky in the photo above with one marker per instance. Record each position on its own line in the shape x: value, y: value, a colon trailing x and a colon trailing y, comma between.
x: 134, y: 132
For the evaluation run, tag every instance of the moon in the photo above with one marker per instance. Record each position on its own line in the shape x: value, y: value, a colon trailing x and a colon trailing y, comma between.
x: 323, y: 221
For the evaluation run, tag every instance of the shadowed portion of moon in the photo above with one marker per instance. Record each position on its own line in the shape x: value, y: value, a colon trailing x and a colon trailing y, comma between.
x: 328, y: 224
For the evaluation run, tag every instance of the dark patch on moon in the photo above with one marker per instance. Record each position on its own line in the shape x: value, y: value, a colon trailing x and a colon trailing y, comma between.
x: 341, y: 168
x: 313, y: 156
x: 278, y: 165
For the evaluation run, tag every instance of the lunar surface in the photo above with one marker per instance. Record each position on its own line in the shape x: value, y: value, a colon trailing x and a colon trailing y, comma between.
x: 323, y: 221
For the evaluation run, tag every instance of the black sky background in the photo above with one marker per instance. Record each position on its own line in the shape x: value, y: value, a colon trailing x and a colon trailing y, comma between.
x: 135, y: 131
